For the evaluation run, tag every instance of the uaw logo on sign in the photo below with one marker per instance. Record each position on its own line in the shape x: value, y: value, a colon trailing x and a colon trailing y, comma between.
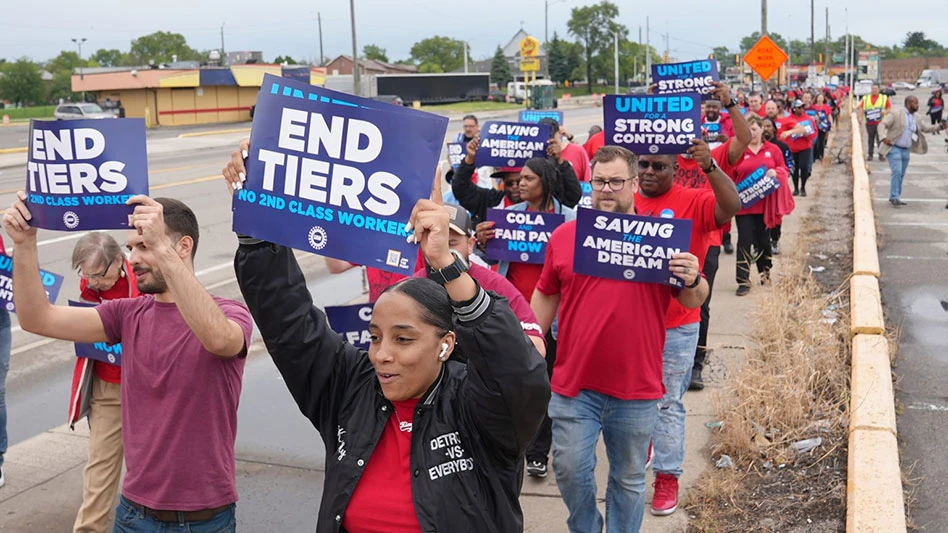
x: 80, y: 173
x: 521, y: 236
x: 337, y: 174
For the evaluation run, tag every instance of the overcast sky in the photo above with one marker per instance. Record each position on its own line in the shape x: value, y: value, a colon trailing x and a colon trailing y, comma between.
x: 284, y: 27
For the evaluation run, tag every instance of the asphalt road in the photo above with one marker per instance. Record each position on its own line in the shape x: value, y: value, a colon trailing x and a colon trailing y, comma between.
x: 189, y: 169
x: 914, y: 261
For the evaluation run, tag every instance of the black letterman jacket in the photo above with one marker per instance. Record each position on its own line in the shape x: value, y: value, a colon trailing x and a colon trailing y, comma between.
x: 470, y: 429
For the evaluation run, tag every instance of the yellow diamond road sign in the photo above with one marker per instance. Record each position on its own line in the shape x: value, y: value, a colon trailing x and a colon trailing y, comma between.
x: 530, y: 64
x: 765, y: 57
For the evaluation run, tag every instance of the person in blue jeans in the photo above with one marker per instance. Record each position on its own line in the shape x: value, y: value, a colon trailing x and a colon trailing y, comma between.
x: 903, y: 136
x: 4, y: 368
x: 129, y: 519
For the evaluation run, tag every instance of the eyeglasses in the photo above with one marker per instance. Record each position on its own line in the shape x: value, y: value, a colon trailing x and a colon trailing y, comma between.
x: 94, y: 277
x: 656, y: 166
x: 615, y: 185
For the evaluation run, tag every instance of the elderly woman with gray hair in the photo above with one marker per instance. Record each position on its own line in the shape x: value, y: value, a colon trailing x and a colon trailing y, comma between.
x: 104, y: 274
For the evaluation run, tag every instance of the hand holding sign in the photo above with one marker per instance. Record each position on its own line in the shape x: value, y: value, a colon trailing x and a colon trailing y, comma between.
x: 235, y: 173
x: 149, y: 220
x: 431, y: 220
x: 722, y: 92
x: 472, y: 147
x: 17, y: 219
x: 685, y: 266
x: 700, y: 152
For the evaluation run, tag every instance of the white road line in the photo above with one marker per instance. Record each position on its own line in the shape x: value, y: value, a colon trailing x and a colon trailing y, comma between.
x: 932, y: 200
x: 916, y: 258
x: 922, y: 224
x: 928, y: 407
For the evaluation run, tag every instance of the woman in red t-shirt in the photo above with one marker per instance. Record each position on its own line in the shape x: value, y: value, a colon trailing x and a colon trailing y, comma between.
x: 751, y: 227
x: 96, y: 385
x: 824, y: 122
x: 799, y: 131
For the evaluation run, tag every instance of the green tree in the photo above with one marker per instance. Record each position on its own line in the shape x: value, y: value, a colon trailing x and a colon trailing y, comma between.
x: 917, y: 39
x: 66, y: 60
x: 108, y: 58
x: 22, y: 82
x: 721, y: 53
x: 279, y: 60
x: 595, y: 27
x: 374, y: 52
x: 160, y: 47
x: 500, y: 69
x: 557, y: 53
x: 748, y: 42
x: 438, y: 54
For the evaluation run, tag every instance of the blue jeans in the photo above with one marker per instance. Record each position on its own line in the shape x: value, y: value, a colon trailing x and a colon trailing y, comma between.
x: 626, y: 427
x: 668, y: 440
x: 5, y: 340
x: 898, y: 161
x: 130, y: 520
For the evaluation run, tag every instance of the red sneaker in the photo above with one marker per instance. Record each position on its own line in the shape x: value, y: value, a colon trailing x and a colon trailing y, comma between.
x: 665, y: 501
x: 648, y: 458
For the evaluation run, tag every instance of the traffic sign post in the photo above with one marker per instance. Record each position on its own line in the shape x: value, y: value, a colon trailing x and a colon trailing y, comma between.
x: 765, y: 58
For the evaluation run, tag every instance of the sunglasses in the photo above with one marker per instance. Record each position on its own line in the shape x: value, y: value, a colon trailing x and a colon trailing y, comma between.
x: 656, y: 165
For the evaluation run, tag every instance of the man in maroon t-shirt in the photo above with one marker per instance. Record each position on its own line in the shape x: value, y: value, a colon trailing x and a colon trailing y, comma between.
x: 608, y: 372
x: 181, y: 377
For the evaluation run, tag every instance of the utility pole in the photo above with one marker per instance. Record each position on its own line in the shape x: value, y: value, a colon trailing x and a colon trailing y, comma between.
x: 648, y: 54
x: 546, y: 18
x: 635, y: 58
x: 616, y: 65
x: 355, y: 51
x: 812, y: 34
x: 465, y: 57
x: 827, y: 56
x: 223, y: 55
x: 763, y: 17
x: 319, y: 23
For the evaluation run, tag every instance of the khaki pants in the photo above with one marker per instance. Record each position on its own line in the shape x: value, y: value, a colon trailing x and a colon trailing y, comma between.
x: 100, y: 479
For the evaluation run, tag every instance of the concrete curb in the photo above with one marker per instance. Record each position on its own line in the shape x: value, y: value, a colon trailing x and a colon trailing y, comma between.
x: 874, y: 499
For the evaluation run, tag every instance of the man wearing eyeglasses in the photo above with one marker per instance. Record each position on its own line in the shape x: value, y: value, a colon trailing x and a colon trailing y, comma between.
x: 608, y: 373
x: 104, y: 274
x: 708, y: 209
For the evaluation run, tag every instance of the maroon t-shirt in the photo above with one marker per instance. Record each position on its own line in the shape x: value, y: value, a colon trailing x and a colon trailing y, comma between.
x: 179, y: 405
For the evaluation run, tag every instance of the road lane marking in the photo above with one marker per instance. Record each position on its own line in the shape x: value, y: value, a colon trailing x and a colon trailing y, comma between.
x: 928, y: 407
x: 922, y: 224
x: 186, y: 182
x: 19, y: 150
x: 915, y: 258
x: 215, y: 132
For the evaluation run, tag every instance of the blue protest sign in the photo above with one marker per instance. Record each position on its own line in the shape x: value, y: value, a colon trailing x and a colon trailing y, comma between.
x: 352, y: 322
x: 652, y: 124
x: 511, y: 144
x: 690, y: 76
x: 521, y: 236
x: 51, y: 283
x: 586, y: 199
x: 79, y: 173
x: 100, y: 351
x: 534, y: 116
x: 456, y: 154
x: 756, y: 187
x: 629, y: 247
x: 336, y: 174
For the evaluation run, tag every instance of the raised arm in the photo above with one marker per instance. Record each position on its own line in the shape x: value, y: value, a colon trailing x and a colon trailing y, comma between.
x: 742, y: 134
x: 475, y: 199
x: 727, y: 201
x: 35, y: 313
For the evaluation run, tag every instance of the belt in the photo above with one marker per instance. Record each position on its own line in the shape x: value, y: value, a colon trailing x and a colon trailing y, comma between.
x: 178, y: 516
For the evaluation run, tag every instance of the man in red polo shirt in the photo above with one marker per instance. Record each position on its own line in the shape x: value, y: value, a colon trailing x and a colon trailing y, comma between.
x: 608, y: 373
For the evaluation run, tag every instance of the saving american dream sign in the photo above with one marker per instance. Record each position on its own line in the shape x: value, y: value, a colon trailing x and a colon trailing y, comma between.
x: 690, y: 76
x: 629, y: 247
x: 51, y: 283
x: 80, y: 173
x: 100, y: 351
x: 337, y: 175
x: 760, y: 184
x: 652, y: 124
x: 352, y: 322
x: 511, y: 144
x: 521, y: 236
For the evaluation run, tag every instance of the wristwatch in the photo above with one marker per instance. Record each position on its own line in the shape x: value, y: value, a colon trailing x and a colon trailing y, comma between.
x: 694, y: 284
x: 711, y: 168
x: 451, y: 272
x: 731, y: 104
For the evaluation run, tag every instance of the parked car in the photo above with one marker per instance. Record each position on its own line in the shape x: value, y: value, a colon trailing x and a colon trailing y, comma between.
x: 888, y: 91
x: 902, y: 86
x: 71, y: 111
x: 393, y: 99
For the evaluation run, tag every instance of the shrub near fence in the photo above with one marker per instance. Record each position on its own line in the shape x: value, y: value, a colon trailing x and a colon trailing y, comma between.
x: 20, y: 113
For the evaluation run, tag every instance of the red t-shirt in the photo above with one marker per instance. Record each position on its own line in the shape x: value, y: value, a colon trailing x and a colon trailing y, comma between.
x: 492, y: 281
x: 690, y: 176
x: 179, y: 404
x: 594, y: 143
x: 770, y: 156
x: 524, y: 277
x: 577, y: 157
x: 799, y: 143
x: 382, y: 501
x: 379, y: 280
x: 125, y: 287
x: 611, y: 332
x: 698, y: 206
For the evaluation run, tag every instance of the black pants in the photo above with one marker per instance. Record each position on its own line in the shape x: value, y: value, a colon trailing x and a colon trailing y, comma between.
x: 872, y: 131
x: 936, y: 117
x: 751, y: 231
x: 539, y: 449
x: 801, y: 168
x: 710, y: 270
x: 775, y: 234
x: 819, y: 147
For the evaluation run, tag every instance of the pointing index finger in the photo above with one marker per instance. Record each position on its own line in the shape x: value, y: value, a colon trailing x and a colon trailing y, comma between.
x: 436, y: 194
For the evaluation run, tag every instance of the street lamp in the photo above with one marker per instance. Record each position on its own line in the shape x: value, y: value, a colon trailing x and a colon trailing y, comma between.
x: 355, y: 50
x: 79, y: 42
x: 546, y: 18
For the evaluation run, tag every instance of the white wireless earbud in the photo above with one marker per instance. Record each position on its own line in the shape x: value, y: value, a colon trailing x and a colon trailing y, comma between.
x: 444, y: 351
